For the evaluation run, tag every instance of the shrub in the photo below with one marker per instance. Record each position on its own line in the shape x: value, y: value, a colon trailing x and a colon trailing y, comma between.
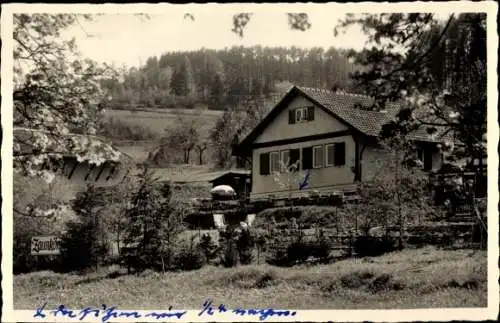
x: 300, y: 251
x: 83, y: 245
x: 36, y: 193
x: 366, y: 246
x: 190, y: 259
x: 279, y: 257
x: 230, y: 255
x: 153, y: 223
x: 237, y: 246
x: 320, y: 248
x: 116, y: 129
x: 208, y: 247
x: 245, y: 244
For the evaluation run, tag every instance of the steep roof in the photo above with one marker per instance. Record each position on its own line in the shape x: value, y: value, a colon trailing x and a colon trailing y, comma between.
x: 59, y: 146
x: 343, y: 106
x: 233, y: 172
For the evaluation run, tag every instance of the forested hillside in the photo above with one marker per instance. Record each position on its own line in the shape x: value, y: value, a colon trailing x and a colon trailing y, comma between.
x: 220, y: 78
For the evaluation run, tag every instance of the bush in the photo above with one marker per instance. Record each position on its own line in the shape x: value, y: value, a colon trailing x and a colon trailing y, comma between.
x: 230, y: 255
x: 245, y: 245
x: 208, y: 247
x: 36, y: 193
x: 153, y: 209
x: 116, y: 129
x: 190, y: 259
x: 300, y: 251
x: 366, y: 246
x: 83, y: 245
x: 237, y: 246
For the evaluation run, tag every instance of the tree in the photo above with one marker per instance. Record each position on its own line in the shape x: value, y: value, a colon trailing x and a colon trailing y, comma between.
x: 217, y: 92
x: 233, y: 125
x: 290, y: 178
x: 117, y: 201
x: 201, y: 147
x: 182, y: 82
x: 414, y: 60
x: 398, y: 194
x: 56, y: 93
x: 53, y: 94
x: 183, y: 136
x: 153, y: 222
x: 84, y: 244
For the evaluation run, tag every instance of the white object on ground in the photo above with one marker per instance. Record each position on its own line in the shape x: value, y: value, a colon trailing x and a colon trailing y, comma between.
x: 223, y: 190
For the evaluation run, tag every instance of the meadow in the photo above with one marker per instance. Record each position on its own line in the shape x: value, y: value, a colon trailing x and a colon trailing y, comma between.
x: 155, y: 121
x: 412, y: 278
x: 159, y: 119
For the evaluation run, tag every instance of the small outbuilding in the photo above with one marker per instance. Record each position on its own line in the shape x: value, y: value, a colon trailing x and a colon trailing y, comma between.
x: 238, y: 179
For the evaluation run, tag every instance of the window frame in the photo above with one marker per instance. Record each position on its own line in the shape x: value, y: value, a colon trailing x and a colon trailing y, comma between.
x: 333, y: 155
x: 303, y: 115
x: 271, y: 169
x: 321, y: 148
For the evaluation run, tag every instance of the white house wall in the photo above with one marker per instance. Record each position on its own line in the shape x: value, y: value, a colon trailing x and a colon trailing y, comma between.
x: 279, y: 128
x: 320, y: 179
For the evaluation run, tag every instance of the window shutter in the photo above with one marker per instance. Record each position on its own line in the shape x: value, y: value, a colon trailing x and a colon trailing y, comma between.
x: 339, y: 153
x: 310, y: 113
x: 291, y: 116
x: 264, y: 164
x: 307, y: 159
x: 294, y: 156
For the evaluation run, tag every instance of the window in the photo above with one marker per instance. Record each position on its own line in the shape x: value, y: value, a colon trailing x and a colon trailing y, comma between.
x: 318, y: 156
x: 302, y: 114
x: 329, y: 155
x: 425, y: 156
x: 427, y: 160
x: 339, y: 154
x: 274, y: 162
x: 285, y: 159
x: 420, y: 154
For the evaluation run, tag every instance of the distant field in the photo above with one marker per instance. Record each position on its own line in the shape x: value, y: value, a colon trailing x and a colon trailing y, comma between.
x: 159, y: 119
x: 418, y: 278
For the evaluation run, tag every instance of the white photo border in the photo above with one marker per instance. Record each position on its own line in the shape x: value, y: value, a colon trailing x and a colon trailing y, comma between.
x: 476, y: 314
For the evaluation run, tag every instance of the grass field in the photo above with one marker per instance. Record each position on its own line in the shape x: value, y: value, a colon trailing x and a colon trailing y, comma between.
x: 416, y: 278
x: 159, y: 119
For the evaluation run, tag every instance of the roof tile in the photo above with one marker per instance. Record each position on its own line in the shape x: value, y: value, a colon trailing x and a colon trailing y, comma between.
x: 369, y: 122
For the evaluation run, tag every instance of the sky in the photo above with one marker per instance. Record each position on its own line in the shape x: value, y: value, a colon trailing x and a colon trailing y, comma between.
x: 130, y: 40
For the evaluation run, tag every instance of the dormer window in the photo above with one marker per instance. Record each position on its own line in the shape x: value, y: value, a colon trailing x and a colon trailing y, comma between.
x: 300, y: 115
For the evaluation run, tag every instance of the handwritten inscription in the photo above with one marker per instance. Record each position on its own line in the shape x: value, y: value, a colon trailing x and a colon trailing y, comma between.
x: 263, y: 314
x: 106, y: 313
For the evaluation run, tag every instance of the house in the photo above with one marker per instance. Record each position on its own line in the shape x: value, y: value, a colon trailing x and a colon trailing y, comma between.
x: 80, y: 173
x: 330, y: 135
